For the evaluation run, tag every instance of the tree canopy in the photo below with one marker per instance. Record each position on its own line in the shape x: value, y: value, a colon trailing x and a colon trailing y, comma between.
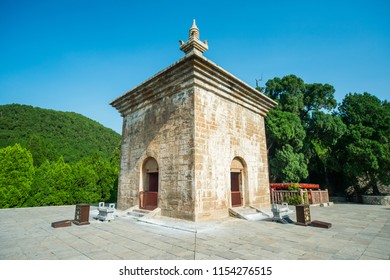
x: 295, y: 128
x: 49, y: 133
x: 312, y: 138
x: 364, y: 149
x: 16, y: 176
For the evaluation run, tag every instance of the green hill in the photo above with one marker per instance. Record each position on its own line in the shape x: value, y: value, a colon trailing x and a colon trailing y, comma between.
x: 55, y: 133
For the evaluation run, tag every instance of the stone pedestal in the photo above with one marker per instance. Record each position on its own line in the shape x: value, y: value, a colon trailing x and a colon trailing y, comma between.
x: 106, y: 213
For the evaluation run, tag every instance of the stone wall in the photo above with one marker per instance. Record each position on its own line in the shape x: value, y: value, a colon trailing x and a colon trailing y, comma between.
x: 162, y: 130
x: 225, y: 130
x: 194, y: 118
x: 376, y: 199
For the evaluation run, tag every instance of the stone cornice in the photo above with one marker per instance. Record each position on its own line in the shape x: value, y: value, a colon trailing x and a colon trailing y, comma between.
x: 172, y: 79
x: 193, y: 71
x: 215, y: 79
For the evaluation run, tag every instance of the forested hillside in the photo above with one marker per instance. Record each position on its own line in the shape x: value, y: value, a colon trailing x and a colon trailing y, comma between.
x: 50, y: 133
x: 55, y: 158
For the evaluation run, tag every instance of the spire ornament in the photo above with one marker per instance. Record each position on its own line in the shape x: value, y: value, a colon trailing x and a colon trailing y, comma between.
x: 194, y: 31
x: 194, y: 45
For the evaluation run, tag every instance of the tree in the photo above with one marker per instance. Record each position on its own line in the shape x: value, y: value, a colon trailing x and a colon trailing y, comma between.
x: 288, y: 166
x: 317, y: 98
x: 40, y: 150
x: 323, y: 133
x: 288, y: 92
x: 85, y: 187
x: 285, y: 135
x: 115, y: 163
x: 300, y: 121
x: 284, y: 128
x: 16, y: 175
x: 364, y: 150
x: 95, y: 179
x: 53, y: 184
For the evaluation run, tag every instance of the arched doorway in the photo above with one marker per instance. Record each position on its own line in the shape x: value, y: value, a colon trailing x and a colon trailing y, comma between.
x: 237, y: 177
x: 148, y: 197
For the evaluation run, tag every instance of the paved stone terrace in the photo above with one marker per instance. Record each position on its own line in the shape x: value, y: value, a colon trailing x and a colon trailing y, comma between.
x: 357, y: 232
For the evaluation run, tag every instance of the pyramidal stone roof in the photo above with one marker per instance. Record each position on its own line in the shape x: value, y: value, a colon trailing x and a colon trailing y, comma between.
x: 193, y: 70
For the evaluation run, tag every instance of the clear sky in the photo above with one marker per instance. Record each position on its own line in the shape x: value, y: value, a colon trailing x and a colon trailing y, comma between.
x: 74, y: 55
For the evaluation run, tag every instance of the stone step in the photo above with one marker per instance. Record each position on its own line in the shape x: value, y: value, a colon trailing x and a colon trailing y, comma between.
x: 138, y: 213
x: 142, y: 211
x: 134, y: 214
x: 256, y: 217
x: 249, y: 213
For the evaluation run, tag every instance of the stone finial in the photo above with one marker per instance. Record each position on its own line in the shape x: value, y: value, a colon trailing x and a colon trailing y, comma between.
x: 193, y: 45
x: 194, y: 31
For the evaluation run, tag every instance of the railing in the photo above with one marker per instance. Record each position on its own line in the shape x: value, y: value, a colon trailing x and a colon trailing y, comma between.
x: 280, y: 196
x: 318, y: 197
x: 306, y: 196
x: 148, y: 200
x: 287, y: 185
x: 236, y: 199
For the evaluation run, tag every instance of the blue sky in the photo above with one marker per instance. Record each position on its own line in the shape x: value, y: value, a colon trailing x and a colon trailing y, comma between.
x: 80, y: 55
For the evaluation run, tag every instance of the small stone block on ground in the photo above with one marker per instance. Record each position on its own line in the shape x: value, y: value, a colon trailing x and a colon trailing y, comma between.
x: 63, y: 223
x: 320, y: 224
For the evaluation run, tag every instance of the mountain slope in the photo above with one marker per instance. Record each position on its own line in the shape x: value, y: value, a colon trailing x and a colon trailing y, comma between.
x: 71, y: 135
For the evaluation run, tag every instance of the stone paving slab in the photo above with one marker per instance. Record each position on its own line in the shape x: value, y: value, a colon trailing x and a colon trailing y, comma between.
x: 358, y: 232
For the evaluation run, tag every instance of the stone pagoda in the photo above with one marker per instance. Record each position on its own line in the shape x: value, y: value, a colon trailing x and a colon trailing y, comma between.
x: 193, y: 140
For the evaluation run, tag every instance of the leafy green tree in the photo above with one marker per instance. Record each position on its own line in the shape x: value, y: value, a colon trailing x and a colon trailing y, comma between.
x: 95, y: 179
x: 323, y: 133
x: 85, y: 187
x: 317, y: 98
x: 16, y: 175
x: 284, y: 128
x: 41, y: 187
x: 40, y: 150
x: 288, y: 166
x: 299, y: 121
x: 285, y: 135
x: 288, y: 92
x: 115, y: 164
x: 294, y: 96
x: 363, y: 151
x: 53, y: 184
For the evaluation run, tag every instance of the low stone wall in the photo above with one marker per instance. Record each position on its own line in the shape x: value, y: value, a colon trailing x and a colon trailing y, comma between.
x: 376, y: 199
x: 338, y: 199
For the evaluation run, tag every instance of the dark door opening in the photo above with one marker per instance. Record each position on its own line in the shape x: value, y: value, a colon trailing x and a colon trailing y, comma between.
x: 149, y: 198
x: 235, y: 189
x: 153, y: 182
